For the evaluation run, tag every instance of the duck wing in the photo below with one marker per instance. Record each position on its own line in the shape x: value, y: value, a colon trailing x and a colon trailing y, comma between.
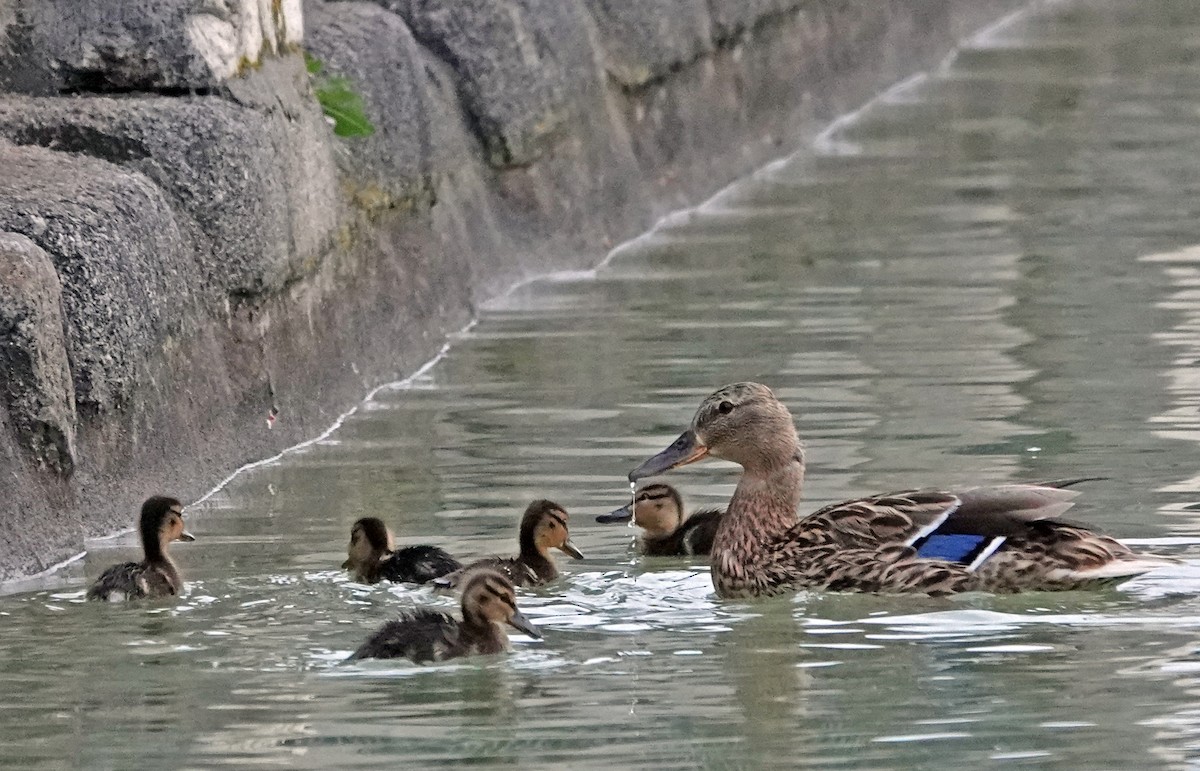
x: 420, y: 635
x: 875, y: 520
x: 119, y: 582
x: 914, y: 517
x: 418, y: 564
x: 998, y: 538
x: 693, y: 537
x: 512, y: 568
x: 699, y: 530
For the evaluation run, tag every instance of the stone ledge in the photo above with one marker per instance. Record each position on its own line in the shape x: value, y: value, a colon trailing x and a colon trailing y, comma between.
x: 117, y: 46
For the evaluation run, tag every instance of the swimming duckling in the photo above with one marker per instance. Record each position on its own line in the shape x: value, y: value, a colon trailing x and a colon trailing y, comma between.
x: 543, y: 527
x: 373, y: 557
x: 669, y: 530
x: 161, y: 523
x: 488, y: 603
x: 1003, y: 538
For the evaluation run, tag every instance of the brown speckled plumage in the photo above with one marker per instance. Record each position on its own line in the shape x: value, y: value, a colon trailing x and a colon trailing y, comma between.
x: 543, y: 527
x: 424, y: 634
x: 372, y: 556
x: 160, y: 523
x: 668, y: 529
x: 869, y: 544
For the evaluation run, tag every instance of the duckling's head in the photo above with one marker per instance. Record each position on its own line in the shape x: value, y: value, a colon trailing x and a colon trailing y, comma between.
x: 489, y: 598
x: 743, y: 423
x: 656, y: 508
x: 544, y: 527
x: 370, y: 540
x: 162, y: 522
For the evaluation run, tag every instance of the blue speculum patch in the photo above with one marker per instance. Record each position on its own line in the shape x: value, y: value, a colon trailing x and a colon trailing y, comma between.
x: 952, y: 547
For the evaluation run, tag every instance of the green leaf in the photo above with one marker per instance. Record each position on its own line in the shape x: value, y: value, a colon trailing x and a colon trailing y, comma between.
x: 340, y: 102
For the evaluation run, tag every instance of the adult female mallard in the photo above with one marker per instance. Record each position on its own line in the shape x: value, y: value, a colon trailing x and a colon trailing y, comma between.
x: 488, y: 604
x: 1004, y: 538
x: 668, y: 529
x: 161, y: 522
x: 372, y: 556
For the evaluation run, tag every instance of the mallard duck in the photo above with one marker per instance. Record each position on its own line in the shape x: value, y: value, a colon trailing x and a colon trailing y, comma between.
x: 669, y: 530
x: 161, y: 523
x: 543, y: 527
x: 373, y: 556
x: 1005, y: 538
x: 488, y: 603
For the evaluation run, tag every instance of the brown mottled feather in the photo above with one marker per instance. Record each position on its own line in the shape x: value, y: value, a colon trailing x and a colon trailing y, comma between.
x: 543, y: 527
x: 424, y: 634
x: 156, y: 576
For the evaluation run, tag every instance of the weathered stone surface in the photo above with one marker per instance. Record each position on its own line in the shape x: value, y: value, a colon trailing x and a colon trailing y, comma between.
x: 128, y: 273
x: 519, y: 65
x: 415, y: 112
x: 55, y: 46
x: 36, y: 380
x: 646, y: 40
x: 258, y: 185
x: 731, y: 18
x: 39, y: 524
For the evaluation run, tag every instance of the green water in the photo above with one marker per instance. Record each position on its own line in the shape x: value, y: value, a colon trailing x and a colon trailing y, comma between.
x: 985, y: 276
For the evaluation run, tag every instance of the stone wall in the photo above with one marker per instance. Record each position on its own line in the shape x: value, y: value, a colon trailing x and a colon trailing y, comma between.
x: 185, y: 244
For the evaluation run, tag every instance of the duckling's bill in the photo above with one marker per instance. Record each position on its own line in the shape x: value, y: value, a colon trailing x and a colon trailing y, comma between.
x: 186, y: 536
x: 569, y: 548
x: 686, y: 449
x: 623, y: 514
x: 522, y: 624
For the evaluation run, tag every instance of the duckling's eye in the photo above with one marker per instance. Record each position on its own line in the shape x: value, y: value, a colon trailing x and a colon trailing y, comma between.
x: 725, y: 408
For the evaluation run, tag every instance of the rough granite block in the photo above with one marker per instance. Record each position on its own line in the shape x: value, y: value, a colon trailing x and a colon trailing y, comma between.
x: 258, y: 185
x: 36, y: 384
x: 127, y: 270
x: 646, y: 40
x: 519, y: 65
x: 419, y: 131
x: 56, y: 46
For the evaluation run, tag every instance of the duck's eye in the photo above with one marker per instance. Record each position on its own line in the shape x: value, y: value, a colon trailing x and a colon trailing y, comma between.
x: 725, y: 408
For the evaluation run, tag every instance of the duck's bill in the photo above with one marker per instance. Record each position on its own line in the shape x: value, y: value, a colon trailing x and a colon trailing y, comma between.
x: 569, y: 548
x: 686, y: 449
x: 186, y: 536
x: 623, y: 514
x: 346, y: 565
x: 522, y: 624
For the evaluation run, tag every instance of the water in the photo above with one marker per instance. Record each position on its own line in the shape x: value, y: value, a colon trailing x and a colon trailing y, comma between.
x: 990, y: 275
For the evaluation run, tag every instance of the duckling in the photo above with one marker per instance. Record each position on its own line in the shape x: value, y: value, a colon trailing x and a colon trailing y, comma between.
x: 373, y: 557
x: 488, y: 603
x: 543, y: 527
x: 161, y: 523
x: 1003, y: 538
x: 669, y: 530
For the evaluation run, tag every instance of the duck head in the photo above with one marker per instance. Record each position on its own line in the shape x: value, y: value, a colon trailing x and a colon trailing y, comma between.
x: 489, y: 598
x: 743, y: 423
x: 544, y: 527
x: 656, y: 508
x: 161, y: 523
x: 370, y: 541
